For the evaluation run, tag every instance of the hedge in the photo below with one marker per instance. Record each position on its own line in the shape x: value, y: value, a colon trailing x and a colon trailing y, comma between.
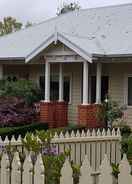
x: 21, y: 130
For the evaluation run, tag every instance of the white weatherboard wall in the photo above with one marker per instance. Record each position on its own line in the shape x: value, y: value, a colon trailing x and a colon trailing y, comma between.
x: 118, y: 86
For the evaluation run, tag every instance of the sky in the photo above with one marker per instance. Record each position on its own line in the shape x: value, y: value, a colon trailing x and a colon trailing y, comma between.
x: 38, y: 10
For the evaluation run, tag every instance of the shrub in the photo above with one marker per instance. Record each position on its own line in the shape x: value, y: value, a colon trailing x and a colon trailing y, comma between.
x: 112, y: 111
x: 22, y: 130
x: 22, y: 88
x: 14, y: 111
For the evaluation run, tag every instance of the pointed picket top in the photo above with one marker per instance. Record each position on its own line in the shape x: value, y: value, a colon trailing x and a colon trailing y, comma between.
x: 98, y: 132
x: 39, y: 170
x: 16, y: 169
x: 93, y: 132
x: 108, y: 132
x: 72, y: 134
x: 118, y: 132
x: 27, y: 170
x: 66, y: 173
x: 6, y: 141
x: 13, y: 140
x: 88, y: 133
x: 83, y: 133
x: 106, y: 172
x: 77, y: 133
x: 61, y: 136
x: 67, y: 135
x: 56, y: 136
x: 1, y: 141
x: 103, y: 132
x: 19, y: 140
x: 86, y: 172
x: 124, y: 176
x: 113, y: 132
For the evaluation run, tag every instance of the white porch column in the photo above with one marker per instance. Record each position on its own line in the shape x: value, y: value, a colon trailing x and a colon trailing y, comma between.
x: 85, y: 82
x: 47, y: 81
x: 1, y: 72
x: 98, y: 83
x: 60, y: 82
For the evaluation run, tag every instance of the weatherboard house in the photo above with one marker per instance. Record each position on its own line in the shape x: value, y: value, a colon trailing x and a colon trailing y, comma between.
x: 76, y: 59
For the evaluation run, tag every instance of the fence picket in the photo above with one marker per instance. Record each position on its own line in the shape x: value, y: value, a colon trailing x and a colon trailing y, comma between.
x: 5, y: 169
x: 125, y: 169
x: 66, y: 173
x: 39, y: 171
x: 86, y: 172
x: 106, y: 172
x: 16, y: 169
x: 28, y: 171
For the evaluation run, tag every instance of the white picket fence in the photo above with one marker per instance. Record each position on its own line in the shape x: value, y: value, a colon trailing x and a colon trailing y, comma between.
x: 95, y: 144
x: 16, y: 173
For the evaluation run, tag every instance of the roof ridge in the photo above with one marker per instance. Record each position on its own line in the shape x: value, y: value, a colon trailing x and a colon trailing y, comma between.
x: 60, y: 16
x: 106, y: 6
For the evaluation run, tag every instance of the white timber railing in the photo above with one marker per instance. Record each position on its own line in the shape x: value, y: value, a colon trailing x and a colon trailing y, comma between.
x: 95, y: 144
x: 33, y: 173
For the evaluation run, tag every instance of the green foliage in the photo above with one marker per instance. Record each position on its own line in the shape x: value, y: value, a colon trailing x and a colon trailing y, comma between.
x: 76, y: 172
x: 53, y: 165
x: 23, y: 88
x: 22, y: 130
x: 115, y: 169
x: 9, y: 25
x: 31, y: 143
x: 69, y: 7
x: 112, y: 111
x: 125, y: 131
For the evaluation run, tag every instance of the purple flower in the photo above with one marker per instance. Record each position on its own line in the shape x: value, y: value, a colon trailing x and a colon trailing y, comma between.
x: 2, y: 148
x: 50, y: 151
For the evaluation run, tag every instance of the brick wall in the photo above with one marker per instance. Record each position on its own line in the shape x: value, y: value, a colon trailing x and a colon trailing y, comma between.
x: 54, y: 113
x: 90, y: 116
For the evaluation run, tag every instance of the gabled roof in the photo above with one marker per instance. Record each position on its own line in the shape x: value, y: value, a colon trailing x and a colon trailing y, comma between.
x: 101, y: 31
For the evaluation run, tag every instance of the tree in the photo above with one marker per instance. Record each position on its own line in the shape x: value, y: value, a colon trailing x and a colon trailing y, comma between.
x: 9, y: 25
x: 28, y: 24
x: 68, y: 7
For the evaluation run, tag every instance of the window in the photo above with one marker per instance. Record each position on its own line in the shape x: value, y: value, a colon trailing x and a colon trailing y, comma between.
x: 129, y: 91
x: 104, y: 88
x: 54, y: 87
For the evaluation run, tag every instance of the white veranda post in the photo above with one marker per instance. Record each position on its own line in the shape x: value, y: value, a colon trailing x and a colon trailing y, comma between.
x: 98, y: 83
x: 47, y: 81
x: 85, y: 82
x: 60, y: 82
x: 1, y: 72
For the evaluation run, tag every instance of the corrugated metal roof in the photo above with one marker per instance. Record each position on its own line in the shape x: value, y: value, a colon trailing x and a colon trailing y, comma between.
x: 101, y: 31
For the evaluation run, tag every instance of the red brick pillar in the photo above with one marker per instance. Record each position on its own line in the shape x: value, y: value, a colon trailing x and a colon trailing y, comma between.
x: 61, y: 113
x: 91, y: 116
x: 47, y: 113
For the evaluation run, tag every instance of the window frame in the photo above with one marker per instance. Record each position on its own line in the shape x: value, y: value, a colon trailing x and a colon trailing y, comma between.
x: 126, y: 90
x: 64, y: 75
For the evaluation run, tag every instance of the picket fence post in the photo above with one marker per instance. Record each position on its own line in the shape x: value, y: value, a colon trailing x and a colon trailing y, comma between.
x: 39, y: 177
x: 86, y: 172
x: 16, y: 169
x: 124, y: 176
x: 5, y: 169
x: 106, y: 172
x: 66, y: 173
x: 28, y: 170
